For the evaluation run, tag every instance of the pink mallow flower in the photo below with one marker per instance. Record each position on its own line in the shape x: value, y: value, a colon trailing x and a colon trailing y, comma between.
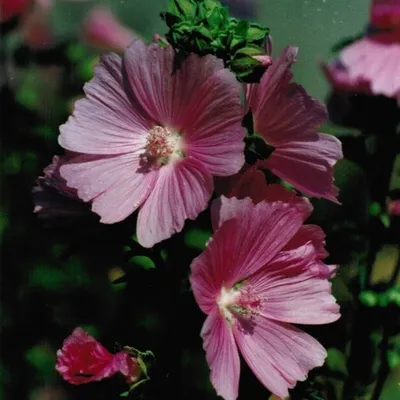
x: 152, y: 138
x: 53, y: 198
x: 258, y: 275
x: 83, y: 359
x: 102, y: 30
x: 287, y: 118
x: 371, y: 65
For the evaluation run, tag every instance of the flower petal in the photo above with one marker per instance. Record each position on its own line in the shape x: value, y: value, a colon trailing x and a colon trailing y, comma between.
x: 114, y: 184
x: 278, y: 354
x: 306, y: 234
x: 107, y: 120
x: 295, y: 288
x: 376, y: 60
x: 244, y: 243
x: 163, y: 90
x: 182, y: 191
x: 222, y: 355
x: 83, y: 359
x: 283, y: 111
x: 212, y: 130
x: 308, y: 164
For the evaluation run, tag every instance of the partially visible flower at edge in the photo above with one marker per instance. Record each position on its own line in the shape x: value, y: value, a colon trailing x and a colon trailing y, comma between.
x: 287, y: 118
x: 393, y: 208
x: 102, y: 30
x: 35, y: 27
x: 12, y: 8
x: 83, y: 359
x: 385, y: 14
x: 370, y: 65
x: 257, y: 276
x: 151, y: 139
x: 52, y: 197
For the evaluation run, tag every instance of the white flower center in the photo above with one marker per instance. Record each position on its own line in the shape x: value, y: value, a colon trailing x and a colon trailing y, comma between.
x: 238, y: 302
x: 163, y: 145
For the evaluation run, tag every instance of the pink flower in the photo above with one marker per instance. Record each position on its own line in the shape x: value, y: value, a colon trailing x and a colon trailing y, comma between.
x: 83, y: 359
x: 102, y: 30
x: 52, y: 197
x: 12, y: 8
x: 152, y: 138
x: 287, y: 118
x: 259, y: 274
x: 370, y: 65
x: 385, y: 14
x: 394, y: 208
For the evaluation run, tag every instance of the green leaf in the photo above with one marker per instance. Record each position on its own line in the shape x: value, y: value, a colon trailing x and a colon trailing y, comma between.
x: 336, y: 361
x: 124, y: 394
x: 142, y: 262
x: 197, y: 238
x: 256, y: 32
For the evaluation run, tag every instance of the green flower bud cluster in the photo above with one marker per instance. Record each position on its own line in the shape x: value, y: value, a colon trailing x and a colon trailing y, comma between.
x: 205, y: 27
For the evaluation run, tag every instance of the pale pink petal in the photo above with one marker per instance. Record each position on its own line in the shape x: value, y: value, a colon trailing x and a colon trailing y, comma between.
x: 222, y: 355
x: 308, y: 164
x: 243, y: 244
x: 295, y: 288
x: 182, y: 191
x: 115, y: 184
x: 375, y: 60
x: 106, y: 121
x: 163, y: 91
x: 278, y: 354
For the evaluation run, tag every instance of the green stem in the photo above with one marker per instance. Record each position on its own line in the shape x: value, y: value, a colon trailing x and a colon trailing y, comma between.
x: 384, y: 369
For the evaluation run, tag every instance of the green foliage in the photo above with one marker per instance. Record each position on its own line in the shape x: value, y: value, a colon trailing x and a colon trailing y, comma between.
x: 371, y: 299
x: 197, y: 238
x: 336, y: 361
x: 204, y: 27
x: 142, y: 262
x: 42, y: 359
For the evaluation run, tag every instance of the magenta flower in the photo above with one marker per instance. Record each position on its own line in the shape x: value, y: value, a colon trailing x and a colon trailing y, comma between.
x: 83, y: 359
x: 101, y: 29
x: 385, y: 14
x: 53, y: 198
x: 287, y: 118
x: 257, y: 276
x: 152, y: 138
